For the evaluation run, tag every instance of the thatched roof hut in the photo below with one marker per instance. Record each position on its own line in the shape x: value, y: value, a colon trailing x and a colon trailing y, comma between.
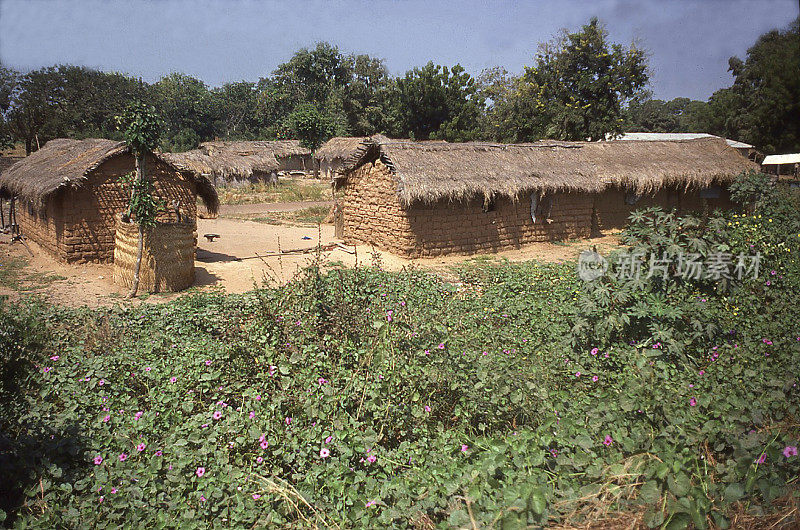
x: 430, y: 172
x: 72, y: 194
x: 240, y: 161
x: 339, y: 147
x: 66, y: 163
x: 228, y: 161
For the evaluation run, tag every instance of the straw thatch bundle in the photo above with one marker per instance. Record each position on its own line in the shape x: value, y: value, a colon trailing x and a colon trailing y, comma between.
x: 64, y: 162
x: 167, y: 260
x: 430, y: 171
x: 340, y: 147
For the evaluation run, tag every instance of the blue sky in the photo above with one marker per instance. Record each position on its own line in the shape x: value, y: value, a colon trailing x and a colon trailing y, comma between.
x: 689, y: 41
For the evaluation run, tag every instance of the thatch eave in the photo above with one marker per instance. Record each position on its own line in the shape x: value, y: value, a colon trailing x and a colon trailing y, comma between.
x: 429, y: 172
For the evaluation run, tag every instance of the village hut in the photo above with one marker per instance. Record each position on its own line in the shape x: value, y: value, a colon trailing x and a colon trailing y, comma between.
x: 292, y: 157
x: 69, y: 195
x: 331, y: 155
x: 425, y: 199
x: 785, y: 167
x: 230, y: 164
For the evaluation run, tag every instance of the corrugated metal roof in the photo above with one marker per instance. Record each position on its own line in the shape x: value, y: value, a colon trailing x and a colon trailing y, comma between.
x: 661, y: 137
x: 790, y: 158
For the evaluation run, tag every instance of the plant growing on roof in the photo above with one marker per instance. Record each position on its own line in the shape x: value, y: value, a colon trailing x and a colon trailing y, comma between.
x: 141, y: 128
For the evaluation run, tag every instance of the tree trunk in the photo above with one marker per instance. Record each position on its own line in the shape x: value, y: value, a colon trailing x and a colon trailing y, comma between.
x: 140, y: 169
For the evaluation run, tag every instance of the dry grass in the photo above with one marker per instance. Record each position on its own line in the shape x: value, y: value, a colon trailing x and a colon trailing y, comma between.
x: 13, y: 275
x: 287, y: 190
x: 307, y: 216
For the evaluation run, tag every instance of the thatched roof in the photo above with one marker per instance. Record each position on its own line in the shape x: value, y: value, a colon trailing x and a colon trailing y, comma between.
x: 340, y: 147
x: 279, y: 148
x: 227, y: 160
x: 236, y: 160
x: 64, y: 162
x: 456, y: 171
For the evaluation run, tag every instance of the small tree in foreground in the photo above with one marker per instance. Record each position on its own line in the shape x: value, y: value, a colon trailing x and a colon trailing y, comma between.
x: 141, y: 128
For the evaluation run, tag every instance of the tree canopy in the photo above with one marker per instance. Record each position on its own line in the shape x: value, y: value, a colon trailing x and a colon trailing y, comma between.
x: 580, y: 86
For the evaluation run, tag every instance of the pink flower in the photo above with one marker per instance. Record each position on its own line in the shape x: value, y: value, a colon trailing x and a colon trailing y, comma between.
x: 140, y: 447
x: 595, y: 378
x: 427, y: 408
x: 371, y: 458
x: 54, y: 358
x: 259, y: 459
x: 790, y: 450
x: 264, y: 444
x: 158, y: 453
x: 217, y: 414
x: 577, y: 374
x: 272, y: 370
x: 113, y: 490
x: 173, y: 379
x: 252, y: 414
x: 256, y: 496
x: 123, y: 457
x: 288, y: 421
x: 101, y: 382
x: 702, y: 372
x: 324, y: 452
x: 371, y: 503
x: 137, y: 415
x: 258, y: 398
x: 595, y: 351
x: 692, y: 402
x: 202, y: 499
x: 208, y: 362
x: 200, y: 471
x: 147, y: 369
x: 464, y: 448
x: 329, y: 439
x: 105, y: 420
x: 441, y: 345
x: 321, y: 381
x: 608, y: 440
x: 761, y: 459
x: 98, y: 460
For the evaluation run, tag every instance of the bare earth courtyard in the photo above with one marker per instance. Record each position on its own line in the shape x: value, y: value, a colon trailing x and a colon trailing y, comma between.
x: 244, y: 256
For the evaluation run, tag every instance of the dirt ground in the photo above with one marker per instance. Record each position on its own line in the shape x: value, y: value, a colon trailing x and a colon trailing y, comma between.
x: 242, y: 257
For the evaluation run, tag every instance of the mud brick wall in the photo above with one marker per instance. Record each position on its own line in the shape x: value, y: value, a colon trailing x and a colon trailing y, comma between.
x: 612, y: 212
x: 372, y: 211
x: 81, y: 227
x: 374, y: 215
x: 43, y: 224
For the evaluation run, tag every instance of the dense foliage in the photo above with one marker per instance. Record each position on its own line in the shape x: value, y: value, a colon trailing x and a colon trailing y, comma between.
x: 762, y: 107
x: 516, y: 395
x: 576, y: 90
x: 580, y: 86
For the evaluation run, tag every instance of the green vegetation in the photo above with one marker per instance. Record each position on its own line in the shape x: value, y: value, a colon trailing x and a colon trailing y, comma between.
x: 287, y: 190
x: 516, y: 395
x: 580, y: 86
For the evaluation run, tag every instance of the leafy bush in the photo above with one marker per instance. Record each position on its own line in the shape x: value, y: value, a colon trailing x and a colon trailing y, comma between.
x: 514, y: 395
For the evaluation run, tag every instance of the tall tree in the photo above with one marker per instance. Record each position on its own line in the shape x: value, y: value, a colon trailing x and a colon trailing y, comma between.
x: 577, y: 88
x: 365, y: 97
x: 8, y: 85
x: 762, y: 107
x: 184, y: 102
x: 438, y: 102
x: 234, y: 107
